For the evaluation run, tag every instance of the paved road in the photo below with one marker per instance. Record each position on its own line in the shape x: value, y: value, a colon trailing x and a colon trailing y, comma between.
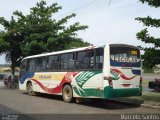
x: 1, y: 83
x: 150, y: 77
x: 13, y: 101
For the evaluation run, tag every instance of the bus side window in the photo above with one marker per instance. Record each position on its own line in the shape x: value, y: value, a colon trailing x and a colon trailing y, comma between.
x: 23, y: 66
x: 55, y: 62
x: 91, y: 57
x: 85, y: 59
x: 79, y: 60
x: 31, y: 65
x: 71, y: 61
x: 44, y: 64
x: 64, y: 61
x: 50, y: 62
x: 99, y: 56
x: 40, y: 64
x: 27, y: 65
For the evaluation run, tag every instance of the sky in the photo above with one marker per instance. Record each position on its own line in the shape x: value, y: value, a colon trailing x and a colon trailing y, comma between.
x: 109, y: 21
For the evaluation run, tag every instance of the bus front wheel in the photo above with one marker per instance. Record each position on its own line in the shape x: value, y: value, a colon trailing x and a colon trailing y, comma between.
x: 67, y: 93
x: 30, y: 89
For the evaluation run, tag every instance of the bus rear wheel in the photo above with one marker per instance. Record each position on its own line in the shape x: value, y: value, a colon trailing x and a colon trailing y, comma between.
x: 30, y: 89
x: 67, y: 93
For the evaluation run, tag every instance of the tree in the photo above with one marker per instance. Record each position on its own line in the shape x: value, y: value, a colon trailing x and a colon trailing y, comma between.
x: 10, y: 41
x: 38, y: 32
x: 76, y: 43
x: 152, y: 55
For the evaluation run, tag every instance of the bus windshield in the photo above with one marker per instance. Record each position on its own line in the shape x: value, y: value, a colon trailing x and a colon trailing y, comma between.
x: 124, y: 56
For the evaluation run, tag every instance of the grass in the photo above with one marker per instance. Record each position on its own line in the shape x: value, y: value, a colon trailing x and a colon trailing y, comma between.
x: 151, y: 96
x: 145, y: 82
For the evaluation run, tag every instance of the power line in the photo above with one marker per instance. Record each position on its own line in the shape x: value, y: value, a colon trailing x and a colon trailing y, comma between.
x: 90, y: 7
x: 80, y: 8
x: 97, y: 8
x: 102, y: 3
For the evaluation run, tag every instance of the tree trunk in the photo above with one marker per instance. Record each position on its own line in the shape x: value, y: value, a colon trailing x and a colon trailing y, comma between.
x: 13, y: 69
x: 12, y: 65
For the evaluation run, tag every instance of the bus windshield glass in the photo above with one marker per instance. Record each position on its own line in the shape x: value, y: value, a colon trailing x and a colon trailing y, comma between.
x: 124, y: 56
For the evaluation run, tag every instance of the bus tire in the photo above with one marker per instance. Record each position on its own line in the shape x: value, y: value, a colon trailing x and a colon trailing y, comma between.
x: 67, y: 93
x: 30, y: 89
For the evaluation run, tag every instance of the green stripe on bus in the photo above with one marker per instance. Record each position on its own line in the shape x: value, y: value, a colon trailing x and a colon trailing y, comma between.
x: 109, y: 92
x: 89, y: 92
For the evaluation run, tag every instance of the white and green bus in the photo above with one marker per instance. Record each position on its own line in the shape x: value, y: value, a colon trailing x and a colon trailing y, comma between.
x: 108, y: 71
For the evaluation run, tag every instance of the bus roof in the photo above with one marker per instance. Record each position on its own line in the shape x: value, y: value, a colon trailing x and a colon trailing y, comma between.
x: 124, y: 45
x: 76, y: 49
x: 63, y: 51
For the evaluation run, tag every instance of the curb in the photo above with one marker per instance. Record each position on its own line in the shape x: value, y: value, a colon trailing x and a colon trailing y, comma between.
x: 150, y: 106
x: 137, y: 104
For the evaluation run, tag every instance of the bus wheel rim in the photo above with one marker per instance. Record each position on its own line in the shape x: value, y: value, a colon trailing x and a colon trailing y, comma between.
x: 67, y: 94
x: 30, y: 89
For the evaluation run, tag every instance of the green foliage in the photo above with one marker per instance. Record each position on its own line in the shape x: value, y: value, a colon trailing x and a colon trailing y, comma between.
x: 3, y: 45
x: 145, y: 37
x: 43, y: 33
x: 152, y: 55
x: 153, y: 3
x: 149, y: 22
x: 76, y: 43
x: 10, y: 41
x: 150, y: 59
x: 38, y: 32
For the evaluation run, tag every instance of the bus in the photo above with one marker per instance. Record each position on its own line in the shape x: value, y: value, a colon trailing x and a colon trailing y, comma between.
x: 105, y: 72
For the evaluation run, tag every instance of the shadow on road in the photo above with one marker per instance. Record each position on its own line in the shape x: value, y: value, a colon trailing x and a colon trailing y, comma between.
x: 110, y: 104
x: 5, y: 109
x: 7, y: 113
x: 98, y: 103
x: 47, y: 96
